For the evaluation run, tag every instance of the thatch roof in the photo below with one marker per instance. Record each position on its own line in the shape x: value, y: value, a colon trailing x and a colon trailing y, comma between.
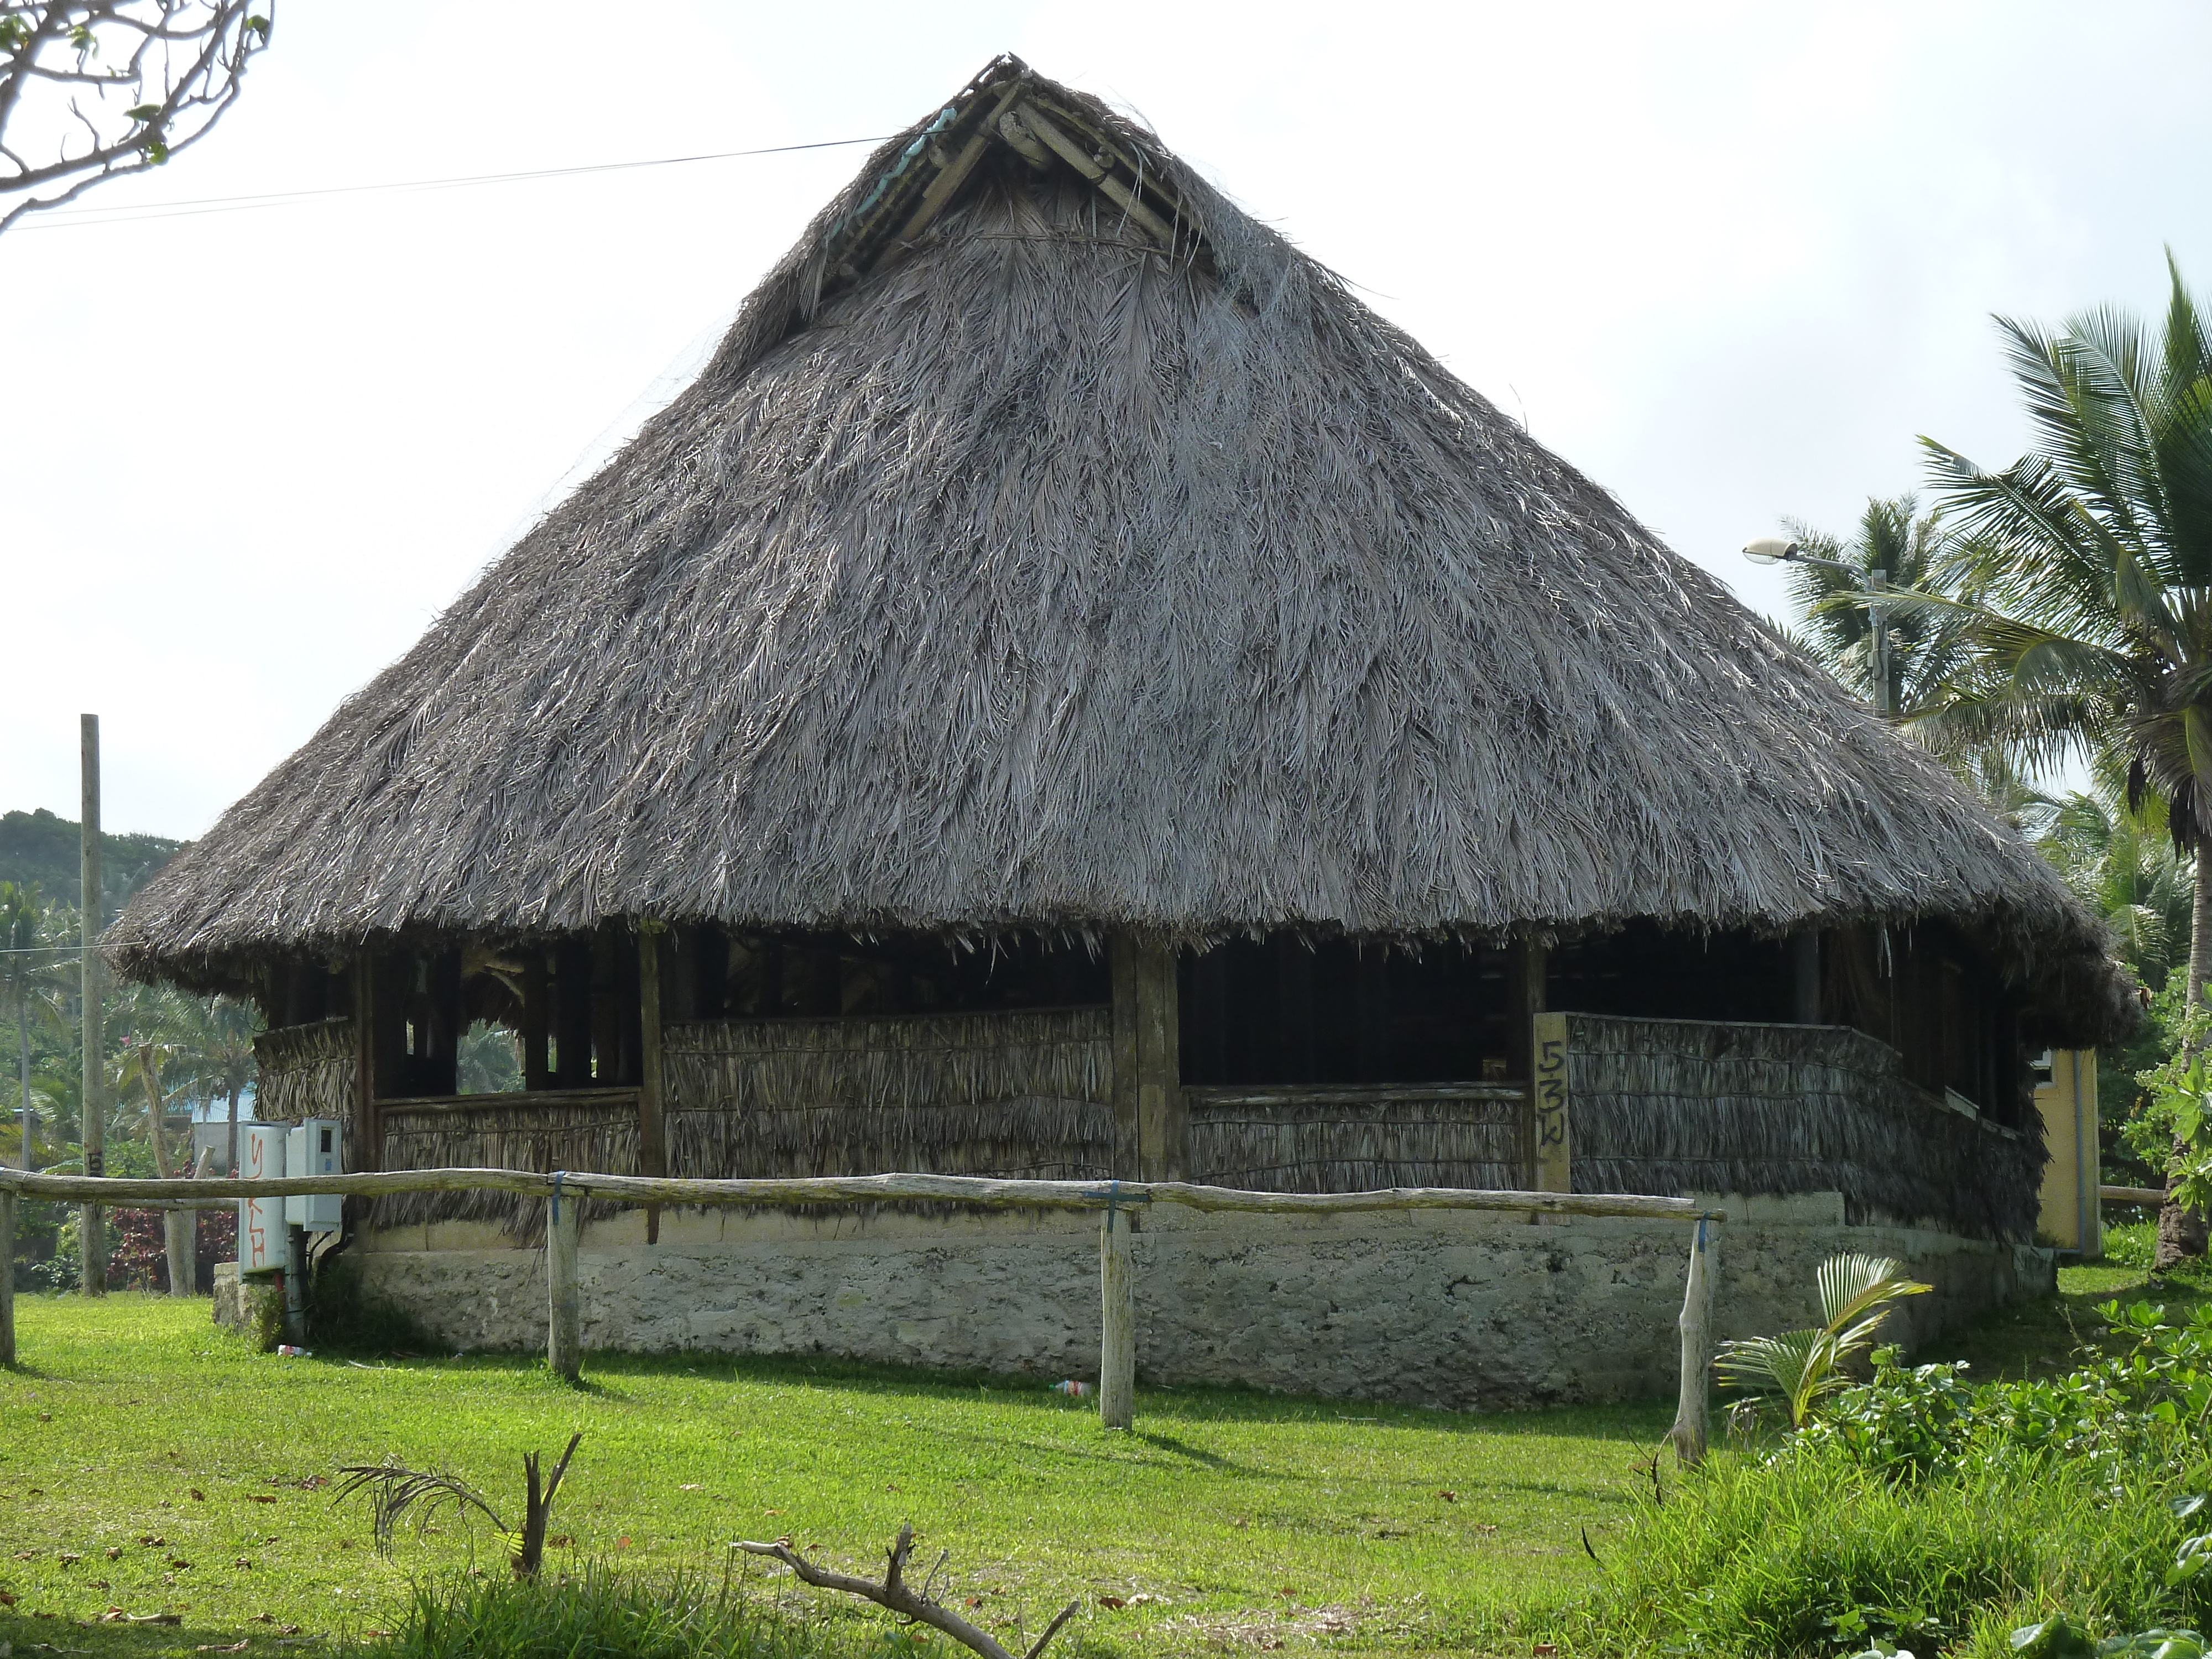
x: 1045, y: 548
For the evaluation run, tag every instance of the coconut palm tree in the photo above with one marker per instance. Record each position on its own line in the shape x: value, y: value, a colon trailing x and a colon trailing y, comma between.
x: 2091, y: 611
x: 212, y: 1039
x: 1928, y: 646
x: 36, y: 971
x: 2124, y: 866
x: 2088, y: 597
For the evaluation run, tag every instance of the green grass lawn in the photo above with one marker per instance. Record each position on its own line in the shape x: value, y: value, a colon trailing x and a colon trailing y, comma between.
x: 1229, y: 1520
x: 135, y: 1429
x: 2038, y: 1338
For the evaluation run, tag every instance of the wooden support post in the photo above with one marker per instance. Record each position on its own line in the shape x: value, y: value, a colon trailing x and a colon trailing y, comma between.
x: 7, y: 1277
x: 536, y: 1022
x: 1163, y: 1122
x: 368, y: 1149
x: 1689, y: 1433
x: 1118, y: 1323
x: 651, y: 1101
x: 1805, y: 977
x: 1528, y: 967
x: 564, y: 1350
x: 1121, y: 963
x: 295, y: 1285
x: 1550, y: 1131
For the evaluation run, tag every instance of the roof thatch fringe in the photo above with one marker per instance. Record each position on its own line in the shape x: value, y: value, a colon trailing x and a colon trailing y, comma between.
x: 1010, y: 566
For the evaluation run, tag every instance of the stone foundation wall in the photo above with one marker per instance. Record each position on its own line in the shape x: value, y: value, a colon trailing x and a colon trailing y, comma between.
x: 1428, y: 1307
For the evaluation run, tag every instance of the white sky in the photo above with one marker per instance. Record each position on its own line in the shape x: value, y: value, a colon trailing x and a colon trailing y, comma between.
x: 1728, y: 259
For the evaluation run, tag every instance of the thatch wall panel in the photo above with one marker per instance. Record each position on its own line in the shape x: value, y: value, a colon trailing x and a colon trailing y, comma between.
x: 1320, y: 1141
x: 1024, y: 1093
x: 598, y: 1133
x: 1021, y: 1093
x: 305, y: 1071
x: 1682, y: 1106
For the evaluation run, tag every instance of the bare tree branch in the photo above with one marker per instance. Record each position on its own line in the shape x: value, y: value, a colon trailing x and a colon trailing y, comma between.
x: 893, y: 1593
x: 182, y: 70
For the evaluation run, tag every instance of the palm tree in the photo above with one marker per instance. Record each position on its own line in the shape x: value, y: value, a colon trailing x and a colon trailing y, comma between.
x: 2088, y: 596
x: 2124, y: 866
x: 34, y: 977
x: 2092, y: 603
x: 1930, y: 653
x: 1928, y: 646
x: 212, y: 1038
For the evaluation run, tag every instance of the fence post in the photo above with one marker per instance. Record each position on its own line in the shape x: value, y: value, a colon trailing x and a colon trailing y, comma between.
x: 1117, y: 1339
x: 563, y: 1333
x: 7, y: 1276
x: 1689, y: 1433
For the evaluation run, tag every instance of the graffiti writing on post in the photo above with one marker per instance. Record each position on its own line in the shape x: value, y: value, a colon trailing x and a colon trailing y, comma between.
x: 1553, y: 1150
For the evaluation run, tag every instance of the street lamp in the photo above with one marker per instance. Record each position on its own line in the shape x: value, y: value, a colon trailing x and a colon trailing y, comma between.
x: 1780, y: 549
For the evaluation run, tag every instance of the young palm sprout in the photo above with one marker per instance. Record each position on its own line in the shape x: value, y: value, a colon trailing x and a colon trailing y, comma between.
x: 395, y: 1491
x: 1805, y: 1367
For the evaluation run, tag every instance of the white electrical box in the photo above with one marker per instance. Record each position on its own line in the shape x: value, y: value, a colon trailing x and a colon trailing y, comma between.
x: 316, y: 1147
x: 261, y: 1220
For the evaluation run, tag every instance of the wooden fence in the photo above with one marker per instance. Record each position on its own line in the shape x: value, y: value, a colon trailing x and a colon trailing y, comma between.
x: 566, y: 1193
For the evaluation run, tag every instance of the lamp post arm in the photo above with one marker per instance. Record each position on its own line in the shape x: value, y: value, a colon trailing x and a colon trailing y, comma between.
x: 1875, y: 582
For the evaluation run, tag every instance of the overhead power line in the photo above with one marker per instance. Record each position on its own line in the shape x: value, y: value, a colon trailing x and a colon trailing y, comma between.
x: 67, y: 216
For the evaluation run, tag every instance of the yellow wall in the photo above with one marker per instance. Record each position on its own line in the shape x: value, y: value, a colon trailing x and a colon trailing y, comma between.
x: 2070, y: 1179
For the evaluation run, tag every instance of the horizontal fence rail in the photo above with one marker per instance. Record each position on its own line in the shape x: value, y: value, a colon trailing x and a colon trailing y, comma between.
x: 120, y: 1191
x: 2152, y: 1195
x: 1117, y: 1356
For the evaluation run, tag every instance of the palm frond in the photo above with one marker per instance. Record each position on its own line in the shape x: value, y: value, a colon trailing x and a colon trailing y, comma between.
x: 395, y: 1491
x: 1798, y: 1365
x: 1853, y: 1285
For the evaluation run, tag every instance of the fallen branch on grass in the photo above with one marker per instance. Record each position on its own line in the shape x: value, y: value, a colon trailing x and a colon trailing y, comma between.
x: 894, y: 1594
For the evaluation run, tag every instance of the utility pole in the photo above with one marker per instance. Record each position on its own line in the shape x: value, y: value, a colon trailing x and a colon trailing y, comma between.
x: 92, y: 1241
x: 1878, y: 614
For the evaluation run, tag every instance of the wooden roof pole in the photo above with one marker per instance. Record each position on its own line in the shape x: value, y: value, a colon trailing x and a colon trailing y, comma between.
x: 954, y: 175
x: 1072, y: 152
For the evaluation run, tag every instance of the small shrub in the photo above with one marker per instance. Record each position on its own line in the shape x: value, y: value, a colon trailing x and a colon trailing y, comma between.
x: 2135, y: 1245
x: 599, y: 1612
x: 1805, y: 1367
x: 1924, y: 1513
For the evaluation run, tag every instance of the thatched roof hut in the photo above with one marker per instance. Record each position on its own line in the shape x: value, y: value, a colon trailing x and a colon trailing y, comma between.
x: 1050, y: 545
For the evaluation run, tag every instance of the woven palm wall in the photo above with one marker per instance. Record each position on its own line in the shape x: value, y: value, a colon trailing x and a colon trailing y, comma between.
x: 1683, y: 1106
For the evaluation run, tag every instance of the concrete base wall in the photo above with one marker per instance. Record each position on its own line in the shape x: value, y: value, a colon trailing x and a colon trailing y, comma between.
x: 1429, y: 1308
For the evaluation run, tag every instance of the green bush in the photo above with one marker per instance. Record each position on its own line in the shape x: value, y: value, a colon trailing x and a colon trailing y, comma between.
x: 1922, y: 1513
x: 2135, y: 1245
x: 1813, y: 1552
x: 602, y: 1614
